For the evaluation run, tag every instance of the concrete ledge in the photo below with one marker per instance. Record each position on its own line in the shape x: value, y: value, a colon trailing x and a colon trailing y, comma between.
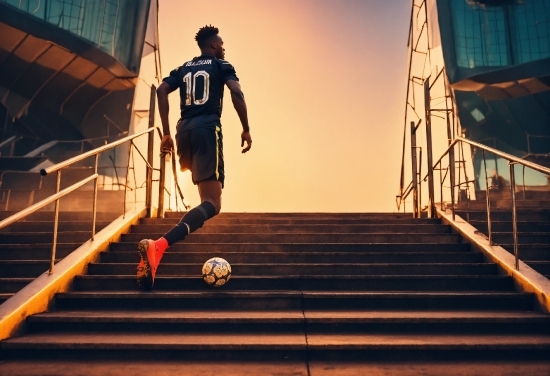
x: 528, y: 279
x: 37, y: 295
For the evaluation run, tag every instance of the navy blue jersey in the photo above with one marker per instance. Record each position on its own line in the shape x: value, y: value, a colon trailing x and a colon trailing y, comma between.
x: 201, y: 82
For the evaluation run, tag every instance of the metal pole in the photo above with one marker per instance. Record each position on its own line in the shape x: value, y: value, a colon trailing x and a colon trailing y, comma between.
x: 126, y: 182
x: 488, y: 200
x: 150, y: 157
x: 524, y: 184
x: 452, y: 179
x: 94, y: 206
x: 431, y: 206
x: 416, y: 214
x: 55, y: 223
x: 514, y: 213
x: 162, y: 179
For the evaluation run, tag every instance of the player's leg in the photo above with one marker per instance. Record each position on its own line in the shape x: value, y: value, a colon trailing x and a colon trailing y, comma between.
x: 148, y: 249
x: 206, y: 154
x: 208, y: 175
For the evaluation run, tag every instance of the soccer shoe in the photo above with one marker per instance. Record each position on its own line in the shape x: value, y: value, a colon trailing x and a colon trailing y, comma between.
x: 147, y: 267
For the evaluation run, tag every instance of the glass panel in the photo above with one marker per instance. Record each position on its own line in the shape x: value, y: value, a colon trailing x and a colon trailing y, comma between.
x: 531, y: 24
x: 480, y: 35
x: 500, y: 35
x: 99, y: 21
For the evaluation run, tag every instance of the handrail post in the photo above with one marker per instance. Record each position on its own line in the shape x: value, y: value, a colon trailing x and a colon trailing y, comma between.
x: 55, y: 223
x: 488, y: 200
x: 94, y: 205
x: 416, y: 214
x: 150, y: 157
x: 162, y: 179
x: 431, y: 199
x: 452, y: 179
x: 514, y: 213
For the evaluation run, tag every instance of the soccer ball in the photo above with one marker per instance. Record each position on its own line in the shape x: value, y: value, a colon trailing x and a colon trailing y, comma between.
x: 216, y: 271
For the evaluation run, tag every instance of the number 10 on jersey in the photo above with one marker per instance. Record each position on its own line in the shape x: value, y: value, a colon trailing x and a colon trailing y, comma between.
x: 190, y: 85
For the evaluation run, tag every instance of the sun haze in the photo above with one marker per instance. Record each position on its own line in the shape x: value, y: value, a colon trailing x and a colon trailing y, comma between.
x: 324, y: 82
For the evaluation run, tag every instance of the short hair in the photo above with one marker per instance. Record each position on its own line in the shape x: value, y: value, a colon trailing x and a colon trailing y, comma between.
x: 204, y: 34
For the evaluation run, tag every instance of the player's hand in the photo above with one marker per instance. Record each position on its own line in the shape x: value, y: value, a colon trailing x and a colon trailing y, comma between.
x: 167, y: 144
x: 245, y: 137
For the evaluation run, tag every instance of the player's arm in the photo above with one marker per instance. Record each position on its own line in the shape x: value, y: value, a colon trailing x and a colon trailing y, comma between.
x: 237, y: 97
x: 167, y: 144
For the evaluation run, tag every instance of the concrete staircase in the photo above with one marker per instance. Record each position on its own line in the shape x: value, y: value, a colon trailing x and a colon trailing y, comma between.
x: 25, y: 246
x: 307, y: 290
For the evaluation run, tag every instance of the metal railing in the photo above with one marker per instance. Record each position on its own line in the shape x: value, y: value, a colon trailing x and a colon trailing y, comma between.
x: 512, y: 161
x: 94, y: 177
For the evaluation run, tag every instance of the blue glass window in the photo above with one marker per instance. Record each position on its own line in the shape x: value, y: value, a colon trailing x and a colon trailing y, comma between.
x: 512, y: 33
x: 108, y: 24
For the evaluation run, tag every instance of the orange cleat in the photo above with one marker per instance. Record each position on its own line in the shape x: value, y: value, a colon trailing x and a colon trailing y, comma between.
x: 147, y: 267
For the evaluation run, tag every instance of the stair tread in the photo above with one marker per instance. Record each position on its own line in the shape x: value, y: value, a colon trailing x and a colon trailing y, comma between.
x: 274, y: 294
x: 297, y: 340
x: 201, y: 316
x: 296, y: 276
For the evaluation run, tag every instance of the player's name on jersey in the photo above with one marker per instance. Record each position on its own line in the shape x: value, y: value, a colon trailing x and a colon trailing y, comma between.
x: 198, y: 62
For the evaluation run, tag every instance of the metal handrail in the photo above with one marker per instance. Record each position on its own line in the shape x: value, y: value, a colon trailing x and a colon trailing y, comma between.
x: 59, y: 194
x: 39, y: 205
x: 512, y: 161
x: 501, y: 154
x: 91, y: 153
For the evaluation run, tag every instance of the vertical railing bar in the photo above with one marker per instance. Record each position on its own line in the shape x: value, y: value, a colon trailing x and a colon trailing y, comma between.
x: 134, y: 175
x: 514, y: 213
x: 452, y: 179
x: 419, y: 180
x: 440, y: 186
x: 94, y: 205
x: 162, y: 178
x: 523, y: 184
x: 150, y: 154
x: 55, y: 223
x: 416, y: 213
x: 126, y: 183
x: 429, y: 151
x: 488, y: 200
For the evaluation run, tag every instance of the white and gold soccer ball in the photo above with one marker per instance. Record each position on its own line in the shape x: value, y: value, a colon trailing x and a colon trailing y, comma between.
x: 216, y: 271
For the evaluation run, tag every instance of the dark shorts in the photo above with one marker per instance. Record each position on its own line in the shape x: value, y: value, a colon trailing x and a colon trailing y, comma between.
x: 201, y: 151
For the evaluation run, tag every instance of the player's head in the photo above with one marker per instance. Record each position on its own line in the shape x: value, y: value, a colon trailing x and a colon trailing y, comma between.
x: 210, y: 42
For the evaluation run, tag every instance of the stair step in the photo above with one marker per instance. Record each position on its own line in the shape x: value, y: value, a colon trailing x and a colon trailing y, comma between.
x: 276, y: 341
x: 300, y: 247
x: 304, y: 238
x: 266, y: 300
x: 292, y: 321
x: 304, y: 215
x: 23, y: 269
x: 506, y: 215
x: 166, y: 269
x: 235, y: 220
x: 523, y: 238
x: 507, y: 226
x: 309, y: 283
x: 44, y: 237
x: 301, y: 229
x: 44, y: 226
x: 12, y: 285
x: 303, y: 257
x: 45, y: 215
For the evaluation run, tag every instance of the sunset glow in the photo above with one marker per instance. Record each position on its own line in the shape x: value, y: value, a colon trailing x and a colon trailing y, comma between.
x: 325, y: 86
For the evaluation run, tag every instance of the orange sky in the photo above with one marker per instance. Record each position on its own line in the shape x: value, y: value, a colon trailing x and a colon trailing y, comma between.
x: 325, y: 85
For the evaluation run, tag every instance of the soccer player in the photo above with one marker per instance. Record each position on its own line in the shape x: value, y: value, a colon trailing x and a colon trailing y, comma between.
x: 201, y: 83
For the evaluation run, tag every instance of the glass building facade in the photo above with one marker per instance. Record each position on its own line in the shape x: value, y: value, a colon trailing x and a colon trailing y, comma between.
x: 500, y: 35
x: 104, y: 23
x: 497, y: 60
